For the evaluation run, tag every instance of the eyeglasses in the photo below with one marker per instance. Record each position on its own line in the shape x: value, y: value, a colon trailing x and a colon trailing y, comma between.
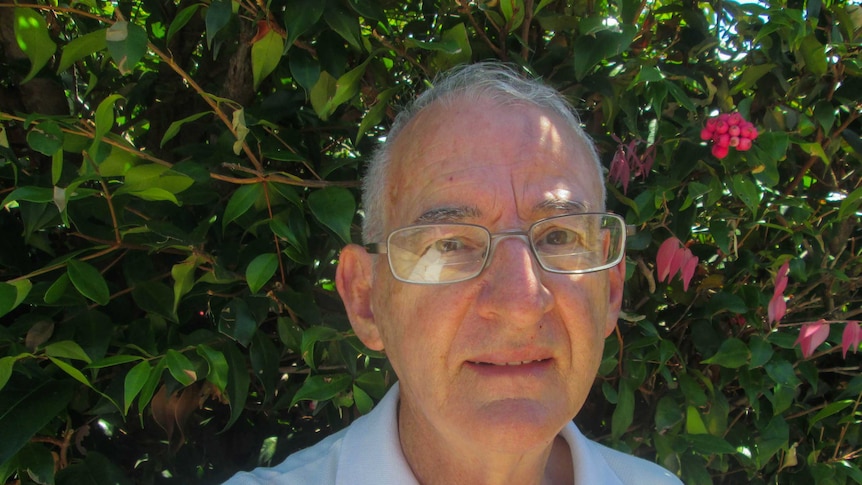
x: 450, y: 253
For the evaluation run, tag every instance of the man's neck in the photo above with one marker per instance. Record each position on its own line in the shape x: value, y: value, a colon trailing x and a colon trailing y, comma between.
x: 436, y: 461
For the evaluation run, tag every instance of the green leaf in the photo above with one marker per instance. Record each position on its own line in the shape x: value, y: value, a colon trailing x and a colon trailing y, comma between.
x: 218, y: 16
x: 732, y: 354
x: 310, y: 337
x: 265, y: 56
x: 334, y: 207
x: 814, y: 55
x: 39, y: 195
x: 300, y: 16
x: 81, y: 47
x: 67, y: 349
x: 6, y: 365
x: 180, y: 367
x: 693, y: 421
x: 346, y: 87
x: 260, y: 271
x: 12, y: 294
x: 127, y: 43
x: 88, y: 281
x: 375, y: 114
x: 345, y: 24
x: 750, y: 76
x: 114, y: 360
x: 142, y: 177
x: 150, y: 385
x: 218, y: 367
x: 174, y: 128
x: 850, y: 204
x: 624, y: 411
x: 31, y: 32
x: 38, y: 462
x: 184, y: 279
x: 747, y: 191
x: 182, y: 18
x: 104, y: 117
x: 29, y: 414
x: 363, y: 401
x: 237, y: 321
x: 829, y: 410
x: 321, y: 95
x: 460, y: 51
x: 238, y: 383
x: 134, y: 383
x: 46, y: 138
x: 321, y: 388
x: 591, y: 50
x: 72, y: 372
x: 241, y: 201
x: 513, y: 12
x: 264, y: 362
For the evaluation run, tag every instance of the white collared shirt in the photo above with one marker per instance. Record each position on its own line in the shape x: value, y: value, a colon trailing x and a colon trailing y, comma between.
x: 368, y: 452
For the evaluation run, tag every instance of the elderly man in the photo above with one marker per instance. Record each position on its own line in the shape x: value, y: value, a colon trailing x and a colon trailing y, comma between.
x: 491, y: 277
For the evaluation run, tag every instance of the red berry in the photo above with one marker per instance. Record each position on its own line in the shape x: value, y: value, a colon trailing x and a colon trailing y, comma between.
x: 706, y: 134
x: 724, y: 117
x: 719, y: 151
x: 710, y: 124
x: 733, y: 130
x: 735, y: 119
x: 723, y: 140
x: 744, y: 145
x: 721, y: 127
x: 746, y: 130
x: 734, y: 141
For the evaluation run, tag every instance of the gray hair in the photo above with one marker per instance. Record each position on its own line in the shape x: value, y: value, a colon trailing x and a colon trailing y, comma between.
x: 486, y: 80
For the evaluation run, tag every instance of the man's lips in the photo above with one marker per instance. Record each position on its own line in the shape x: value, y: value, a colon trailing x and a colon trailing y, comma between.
x: 511, y: 363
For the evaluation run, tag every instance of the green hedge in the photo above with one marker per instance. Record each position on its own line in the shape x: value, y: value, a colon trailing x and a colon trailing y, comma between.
x: 177, y: 179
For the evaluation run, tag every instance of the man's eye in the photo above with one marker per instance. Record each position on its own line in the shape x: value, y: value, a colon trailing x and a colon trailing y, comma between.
x: 449, y: 245
x: 559, y: 237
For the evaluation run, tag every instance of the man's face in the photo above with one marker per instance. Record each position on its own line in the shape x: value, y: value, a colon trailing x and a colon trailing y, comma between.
x: 506, y: 359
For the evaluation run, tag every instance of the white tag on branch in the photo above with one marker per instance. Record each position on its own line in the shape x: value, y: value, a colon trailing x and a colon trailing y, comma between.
x: 240, y: 128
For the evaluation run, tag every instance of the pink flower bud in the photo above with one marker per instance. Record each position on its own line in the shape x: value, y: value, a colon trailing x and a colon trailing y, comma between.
x: 744, y: 144
x: 719, y: 151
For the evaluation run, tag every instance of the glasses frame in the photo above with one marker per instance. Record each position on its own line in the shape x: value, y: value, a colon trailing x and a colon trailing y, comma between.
x: 496, y: 237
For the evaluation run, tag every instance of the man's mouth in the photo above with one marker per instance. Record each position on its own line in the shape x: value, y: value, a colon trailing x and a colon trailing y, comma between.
x: 520, y: 362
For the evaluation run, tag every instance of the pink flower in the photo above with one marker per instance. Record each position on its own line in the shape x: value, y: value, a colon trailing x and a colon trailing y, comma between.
x: 851, y: 338
x: 811, y: 335
x: 626, y: 162
x: 673, y: 257
x: 777, y: 306
x: 665, y: 254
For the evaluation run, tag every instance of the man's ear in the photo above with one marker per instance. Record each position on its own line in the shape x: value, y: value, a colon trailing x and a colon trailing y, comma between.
x: 616, y: 281
x: 353, y: 279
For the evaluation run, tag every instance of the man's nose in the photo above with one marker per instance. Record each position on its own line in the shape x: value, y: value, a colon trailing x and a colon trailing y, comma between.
x: 512, y: 283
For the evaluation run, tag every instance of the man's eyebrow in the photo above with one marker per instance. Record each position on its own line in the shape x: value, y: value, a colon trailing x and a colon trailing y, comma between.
x: 447, y: 214
x: 561, y: 205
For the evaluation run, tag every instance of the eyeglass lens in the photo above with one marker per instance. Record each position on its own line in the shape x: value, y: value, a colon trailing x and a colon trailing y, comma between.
x: 447, y: 253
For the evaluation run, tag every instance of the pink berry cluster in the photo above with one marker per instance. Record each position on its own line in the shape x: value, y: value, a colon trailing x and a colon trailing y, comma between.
x: 728, y: 130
